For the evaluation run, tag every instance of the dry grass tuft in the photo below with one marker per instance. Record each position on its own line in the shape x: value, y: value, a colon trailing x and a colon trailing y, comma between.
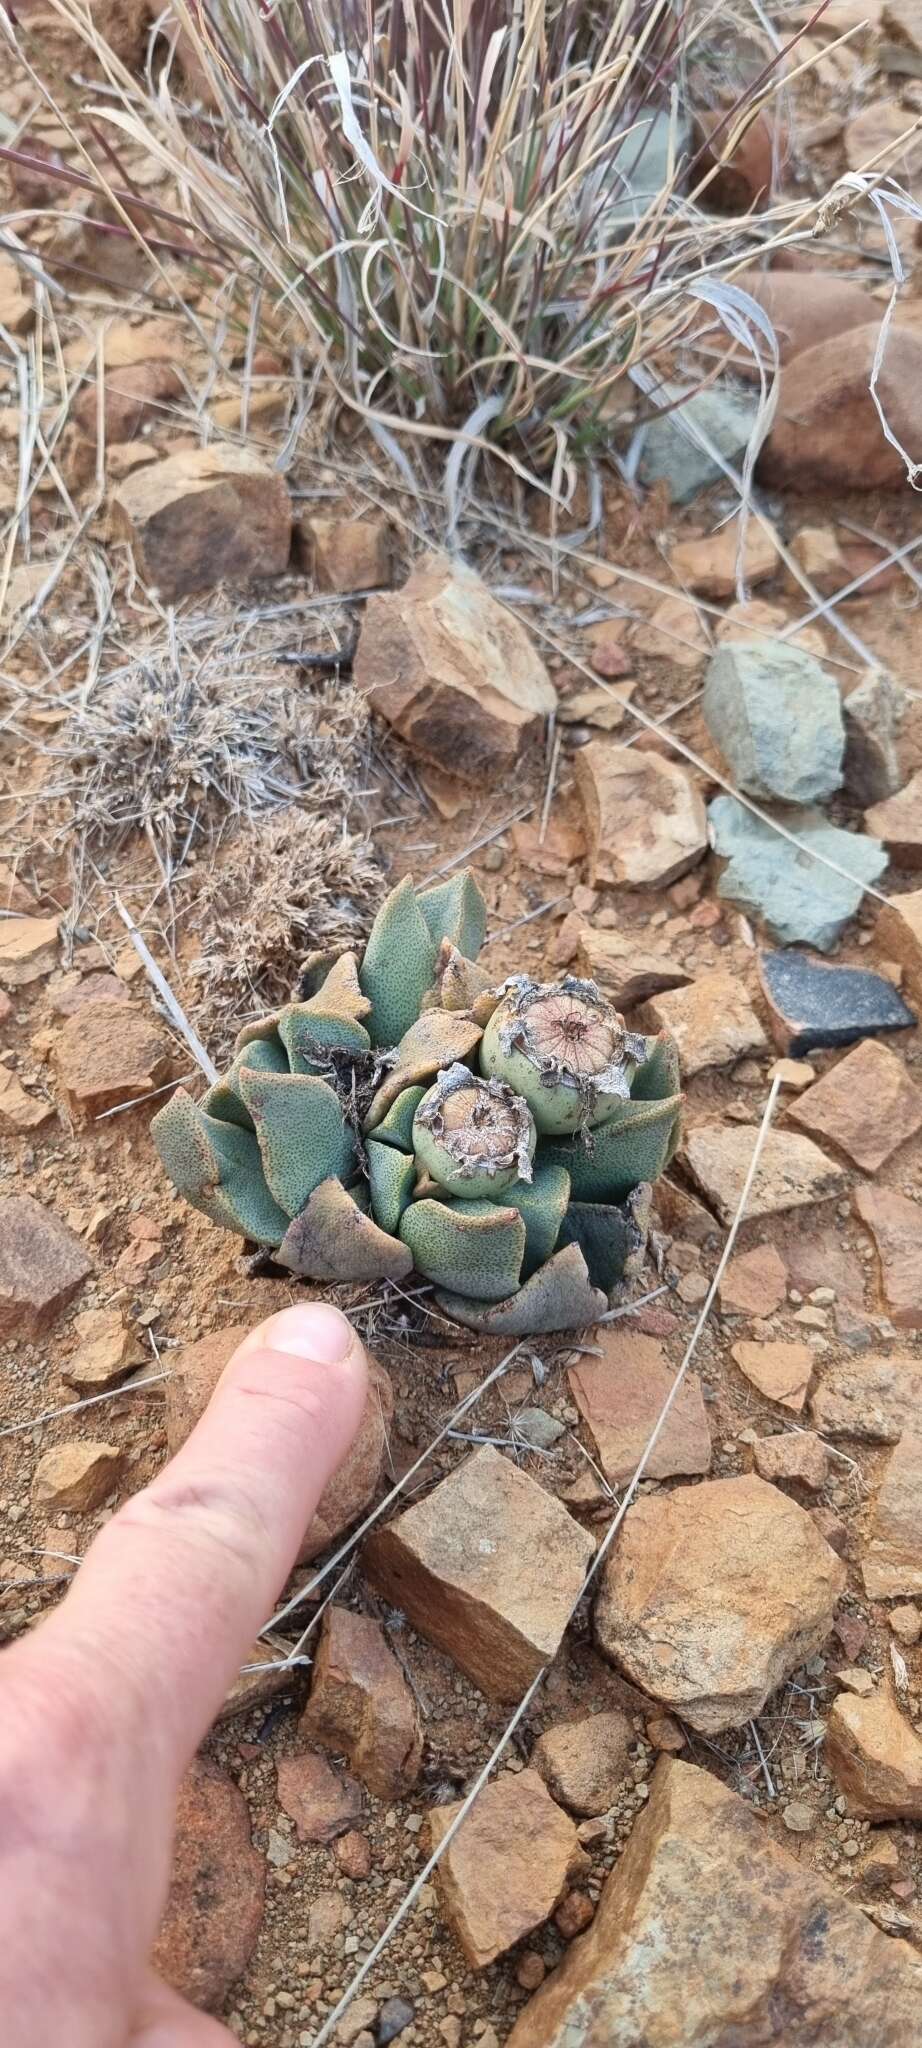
x: 294, y: 882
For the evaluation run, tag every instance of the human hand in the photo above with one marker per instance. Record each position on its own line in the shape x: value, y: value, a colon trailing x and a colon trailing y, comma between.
x: 104, y: 1705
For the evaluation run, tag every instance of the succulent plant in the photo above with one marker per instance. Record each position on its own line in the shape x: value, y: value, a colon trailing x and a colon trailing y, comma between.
x: 404, y: 1114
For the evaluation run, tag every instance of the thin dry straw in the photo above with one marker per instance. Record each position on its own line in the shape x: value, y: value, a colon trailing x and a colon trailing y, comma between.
x: 333, y: 2018
x: 164, y: 990
x: 91, y: 1401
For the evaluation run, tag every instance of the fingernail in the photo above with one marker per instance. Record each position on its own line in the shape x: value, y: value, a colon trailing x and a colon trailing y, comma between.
x: 313, y: 1330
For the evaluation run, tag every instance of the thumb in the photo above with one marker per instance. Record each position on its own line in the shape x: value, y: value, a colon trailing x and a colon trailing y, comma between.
x: 173, y: 1591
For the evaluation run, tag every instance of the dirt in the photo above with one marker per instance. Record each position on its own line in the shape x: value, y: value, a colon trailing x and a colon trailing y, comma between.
x: 175, y: 1277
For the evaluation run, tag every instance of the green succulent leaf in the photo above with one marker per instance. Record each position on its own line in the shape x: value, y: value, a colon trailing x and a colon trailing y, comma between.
x: 396, y: 1126
x: 217, y: 1167
x: 632, y: 1146
x: 476, y: 1247
x: 398, y: 965
x: 560, y: 1296
x: 339, y: 989
x: 455, y: 910
x: 658, y: 1076
x: 300, y: 1132
x: 334, y: 1239
x: 391, y: 1177
x: 307, y: 1030
x: 542, y: 1207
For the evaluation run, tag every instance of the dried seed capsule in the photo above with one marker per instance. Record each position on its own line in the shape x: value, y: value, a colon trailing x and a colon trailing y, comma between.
x: 564, y: 1048
x: 474, y: 1137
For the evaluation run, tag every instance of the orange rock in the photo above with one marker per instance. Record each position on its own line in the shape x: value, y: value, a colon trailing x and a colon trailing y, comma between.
x: 755, y: 1283
x: 585, y: 1763
x: 780, y: 1371
x: 807, y: 308
x: 891, y: 1565
x: 216, y: 1899
x: 109, y: 1053
x: 132, y: 398
x: 710, y: 566
x: 895, y: 1224
x: 620, y: 1395
x: 361, y: 1706
x: 487, y: 1567
x: 345, y: 554
x: 504, y: 1872
x: 875, y: 1756
x: 712, y: 1021
x: 77, y: 1476
x: 645, y: 817
x: 866, y: 1105
x: 202, y: 517
x: 827, y: 432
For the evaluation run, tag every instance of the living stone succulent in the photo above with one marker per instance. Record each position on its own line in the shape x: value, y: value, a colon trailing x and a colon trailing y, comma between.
x: 405, y: 1114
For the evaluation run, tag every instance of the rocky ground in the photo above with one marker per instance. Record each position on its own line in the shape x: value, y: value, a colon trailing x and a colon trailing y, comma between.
x: 637, y: 765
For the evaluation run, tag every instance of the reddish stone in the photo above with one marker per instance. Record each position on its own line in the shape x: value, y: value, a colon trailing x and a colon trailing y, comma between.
x: 866, y: 1105
x: 42, y: 1267
x: 503, y: 1873
x: 620, y: 1396
x: 321, y: 1803
x: 361, y: 1706
x: 215, y: 1905
x: 896, y: 1227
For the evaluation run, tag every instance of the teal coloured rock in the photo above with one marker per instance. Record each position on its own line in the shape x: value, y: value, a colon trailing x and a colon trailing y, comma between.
x: 776, y: 716
x: 797, y: 897
x: 728, y: 420
x: 649, y: 159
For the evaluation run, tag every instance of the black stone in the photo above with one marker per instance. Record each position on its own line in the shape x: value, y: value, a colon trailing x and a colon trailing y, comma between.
x: 814, y: 1005
x: 394, y: 2015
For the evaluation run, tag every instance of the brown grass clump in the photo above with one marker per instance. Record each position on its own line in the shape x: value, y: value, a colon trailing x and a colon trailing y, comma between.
x: 294, y: 882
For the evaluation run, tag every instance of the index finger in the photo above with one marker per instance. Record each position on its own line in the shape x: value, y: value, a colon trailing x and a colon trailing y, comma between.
x: 176, y: 1586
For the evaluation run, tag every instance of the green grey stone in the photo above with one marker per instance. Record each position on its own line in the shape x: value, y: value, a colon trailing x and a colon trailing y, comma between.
x: 776, y: 716
x: 798, y: 898
x: 728, y: 418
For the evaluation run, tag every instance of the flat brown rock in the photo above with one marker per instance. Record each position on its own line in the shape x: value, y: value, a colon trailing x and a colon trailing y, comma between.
x: 345, y: 554
x: 869, y: 1399
x: 214, y: 1909
x: 453, y: 672
x: 780, y: 1371
x: 507, y: 1867
x: 896, y: 1227
x: 585, y: 1763
x: 796, y: 1457
x: 898, y: 823
x: 132, y: 396
x: 196, y: 1370
x: 645, y: 817
x: 867, y: 1106
x: 626, y: 969
x: 712, y: 1594
x: 321, y: 1802
x: 712, y: 1021
x: 28, y: 949
x: 203, y: 517
x: 107, y: 1054
x: 620, y: 1396
x: 20, y: 1111
x: 898, y: 937
x: 487, y: 1567
x: 107, y: 1351
x: 79, y: 1476
x: 708, y: 1934
x: 826, y: 431
x: 891, y: 1564
x: 361, y: 1706
x: 875, y: 1756
x: 42, y: 1267
x: 755, y: 1283
x: 709, y: 566
x: 792, y: 1172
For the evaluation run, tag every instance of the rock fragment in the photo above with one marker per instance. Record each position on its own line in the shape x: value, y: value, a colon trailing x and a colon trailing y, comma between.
x: 77, y: 1476
x: 899, y: 937
x: 670, y: 452
x: 214, y: 1909
x: 712, y: 566
x: 712, y: 1021
x: 206, y: 516
x: 361, y: 1706
x: 798, y: 1457
x: 875, y: 1756
x: 891, y: 1564
x: 776, y: 716
x: 345, y: 554
x: 792, y: 1172
x: 42, y: 1266
x: 132, y: 398
x: 626, y: 969
x: 453, y: 672
x: 507, y: 1867
x: 321, y: 1802
x: 487, y: 1567
x: 867, y: 1106
x: 620, y: 1395
x: 781, y: 1372
x: 584, y: 1763
x: 897, y: 823
x: 874, y: 712
x: 895, y: 1224
x: 28, y: 949
x: 107, y: 1351
x: 871, y: 1400
x: 107, y: 1054
x: 20, y: 1111
x: 804, y: 894
x: 813, y: 1005
x: 827, y: 432
x: 645, y: 819
x: 776, y: 1940
x: 754, y: 1283
x: 713, y: 1594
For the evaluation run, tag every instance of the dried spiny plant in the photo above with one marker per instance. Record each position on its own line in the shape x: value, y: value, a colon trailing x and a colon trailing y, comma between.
x: 294, y: 882
x: 184, y: 739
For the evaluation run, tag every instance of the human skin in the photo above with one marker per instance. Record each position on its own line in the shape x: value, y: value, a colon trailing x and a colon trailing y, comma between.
x: 103, y: 1706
